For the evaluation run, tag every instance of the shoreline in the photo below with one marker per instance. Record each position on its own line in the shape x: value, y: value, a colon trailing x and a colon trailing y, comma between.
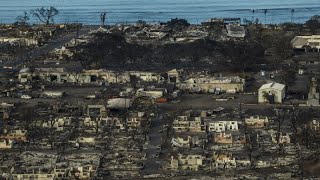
x: 147, y: 23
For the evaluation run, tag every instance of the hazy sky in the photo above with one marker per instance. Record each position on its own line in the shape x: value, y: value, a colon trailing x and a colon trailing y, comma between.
x: 247, y: 3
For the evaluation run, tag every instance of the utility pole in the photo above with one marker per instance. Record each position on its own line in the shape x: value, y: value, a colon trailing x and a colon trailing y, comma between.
x: 240, y: 111
x: 78, y: 28
x: 292, y: 13
x: 253, y: 15
x: 265, y: 15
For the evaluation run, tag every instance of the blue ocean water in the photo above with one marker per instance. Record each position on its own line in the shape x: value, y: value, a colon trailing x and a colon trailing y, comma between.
x: 195, y: 11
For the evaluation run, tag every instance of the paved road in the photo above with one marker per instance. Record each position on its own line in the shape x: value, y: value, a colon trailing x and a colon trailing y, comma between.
x: 40, y: 51
x: 205, y: 101
x: 152, y: 164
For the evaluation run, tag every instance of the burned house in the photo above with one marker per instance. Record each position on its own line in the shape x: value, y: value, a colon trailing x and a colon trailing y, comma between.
x: 211, y: 84
x: 223, y: 160
x: 104, y: 76
x: 186, y: 162
x: 188, y: 124
x: 96, y: 110
x: 222, y: 126
x: 52, y: 75
x: 236, y: 31
x: 256, y: 122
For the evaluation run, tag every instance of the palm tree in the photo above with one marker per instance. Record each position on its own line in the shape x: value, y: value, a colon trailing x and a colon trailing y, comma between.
x: 265, y: 15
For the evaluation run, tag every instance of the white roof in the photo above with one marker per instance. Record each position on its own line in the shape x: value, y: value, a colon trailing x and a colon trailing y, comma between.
x: 300, y: 41
x: 173, y: 71
x: 273, y: 85
x: 24, y: 70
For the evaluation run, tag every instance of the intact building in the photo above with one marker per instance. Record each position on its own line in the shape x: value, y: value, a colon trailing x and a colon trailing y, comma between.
x: 271, y: 93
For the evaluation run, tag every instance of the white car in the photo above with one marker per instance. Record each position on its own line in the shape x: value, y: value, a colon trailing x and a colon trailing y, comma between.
x: 26, y: 97
x: 91, y: 97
